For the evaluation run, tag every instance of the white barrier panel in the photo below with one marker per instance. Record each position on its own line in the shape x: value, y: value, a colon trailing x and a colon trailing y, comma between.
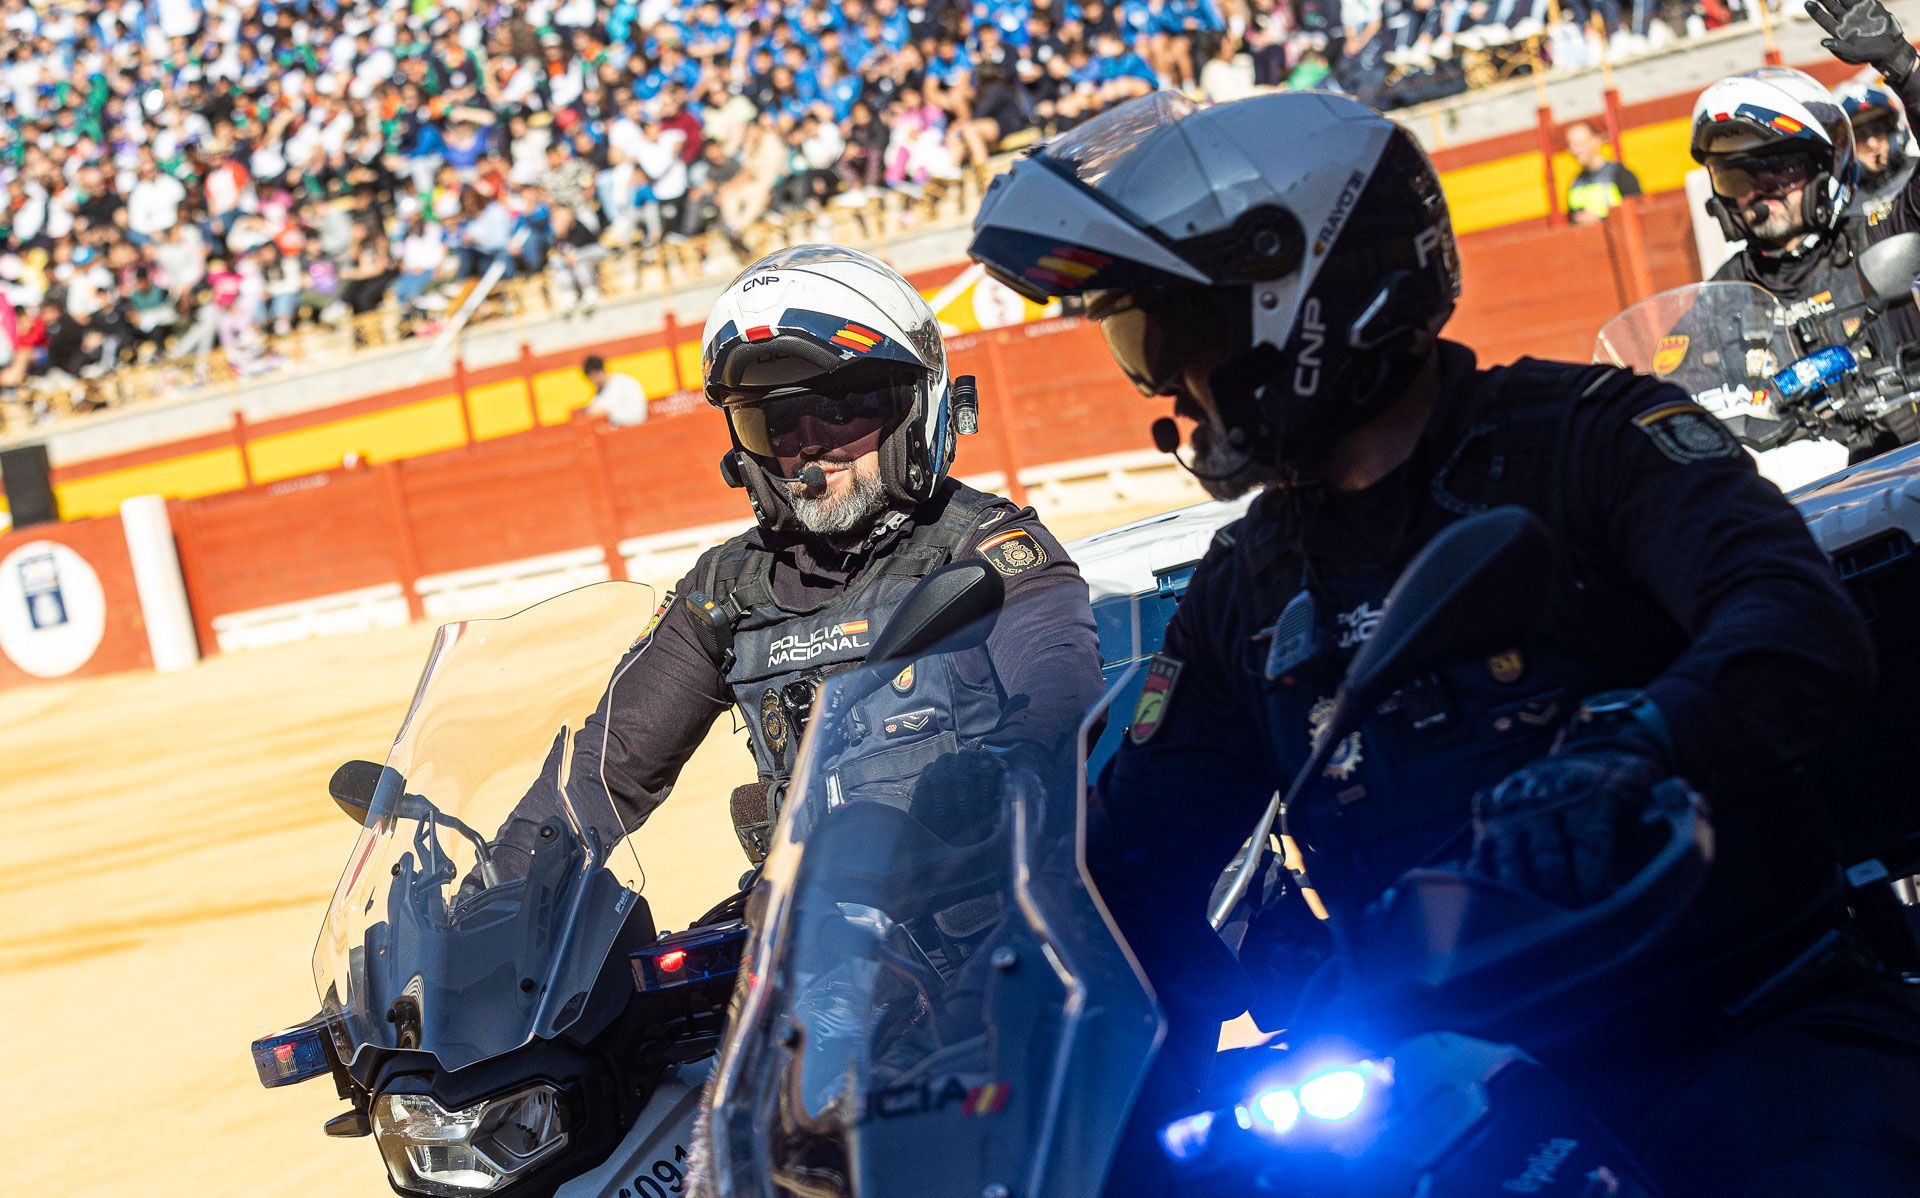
x: 157, y: 578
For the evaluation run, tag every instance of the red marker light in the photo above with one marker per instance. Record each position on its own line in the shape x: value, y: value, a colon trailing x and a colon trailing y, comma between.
x: 671, y: 961
x: 283, y: 1054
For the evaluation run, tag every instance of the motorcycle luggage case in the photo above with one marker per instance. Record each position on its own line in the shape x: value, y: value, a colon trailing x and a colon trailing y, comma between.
x: 1867, y: 518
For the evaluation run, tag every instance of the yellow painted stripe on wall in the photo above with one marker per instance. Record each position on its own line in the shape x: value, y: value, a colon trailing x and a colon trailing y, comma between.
x: 689, y: 365
x: 176, y: 478
x: 652, y: 369
x: 403, y: 432
x: 499, y: 409
x: 1659, y: 154
x: 1501, y: 192
x: 1487, y: 195
x: 556, y: 393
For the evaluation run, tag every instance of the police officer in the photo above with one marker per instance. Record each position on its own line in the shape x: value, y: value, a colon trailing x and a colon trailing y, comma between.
x: 1779, y: 152
x: 1282, y: 267
x: 1882, y: 142
x: 832, y: 373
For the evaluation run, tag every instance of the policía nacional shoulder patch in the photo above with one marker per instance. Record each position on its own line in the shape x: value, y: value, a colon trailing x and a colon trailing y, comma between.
x: 1687, y: 433
x: 1013, y: 552
x: 1155, y: 694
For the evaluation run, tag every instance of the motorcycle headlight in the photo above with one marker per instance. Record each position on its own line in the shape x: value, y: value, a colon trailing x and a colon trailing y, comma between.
x: 473, y: 1150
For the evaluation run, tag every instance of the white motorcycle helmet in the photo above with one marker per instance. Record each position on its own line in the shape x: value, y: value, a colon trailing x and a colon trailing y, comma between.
x: 1867, y: 101
x: 819, y: 340
x: 1752, y: 123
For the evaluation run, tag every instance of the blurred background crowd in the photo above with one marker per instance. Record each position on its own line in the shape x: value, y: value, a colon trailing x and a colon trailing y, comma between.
x: 194, y: 179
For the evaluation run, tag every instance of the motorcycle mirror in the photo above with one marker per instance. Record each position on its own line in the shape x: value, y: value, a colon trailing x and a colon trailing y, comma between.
x: 1477, y: 587
x: 353, y: 785
x: 356, y: 785
x: 1888, y: 268
x: 952, y: 608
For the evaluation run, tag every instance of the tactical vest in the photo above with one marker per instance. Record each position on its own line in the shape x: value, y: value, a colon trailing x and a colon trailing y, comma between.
x: 1397, y: 791
x: 780, y: 657
x: 1876, y: 205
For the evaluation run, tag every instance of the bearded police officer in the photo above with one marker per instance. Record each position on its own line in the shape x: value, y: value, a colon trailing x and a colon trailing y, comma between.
x: 832, y: 374
x: 1282, y: 267
x: 1780, y: 155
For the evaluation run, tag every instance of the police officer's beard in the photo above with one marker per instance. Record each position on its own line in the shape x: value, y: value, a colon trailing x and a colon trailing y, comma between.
x: 1779, y: 221
x: 827, y: 513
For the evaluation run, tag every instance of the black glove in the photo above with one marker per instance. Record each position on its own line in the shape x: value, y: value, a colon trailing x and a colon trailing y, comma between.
x: 958, y: 795
x: 1863, y: 31
x: 1571, y: 827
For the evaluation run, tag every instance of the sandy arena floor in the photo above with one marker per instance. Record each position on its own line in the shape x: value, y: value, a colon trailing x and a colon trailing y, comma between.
x: 169, y: 853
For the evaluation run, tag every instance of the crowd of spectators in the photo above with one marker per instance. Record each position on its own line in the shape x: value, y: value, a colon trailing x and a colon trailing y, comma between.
x: 181, y: 175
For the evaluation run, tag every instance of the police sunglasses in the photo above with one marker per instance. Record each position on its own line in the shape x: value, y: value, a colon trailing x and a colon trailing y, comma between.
x: 1154, y: 335
x: 1774, y: 177
x: 812, y: 424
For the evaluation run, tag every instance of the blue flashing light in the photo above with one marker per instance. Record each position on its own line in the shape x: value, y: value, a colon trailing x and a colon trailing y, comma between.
x: 1334, y: 1094
x: 1278, y: 1108
x: 1186, y: 1138
x: 292, y: 1056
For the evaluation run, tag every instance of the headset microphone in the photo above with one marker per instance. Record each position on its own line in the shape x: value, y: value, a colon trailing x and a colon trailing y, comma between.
x: 814, y: 477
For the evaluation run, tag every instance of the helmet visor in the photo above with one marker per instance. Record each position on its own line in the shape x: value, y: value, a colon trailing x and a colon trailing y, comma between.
x: 1775, y: 174
x: 801, y: 426
x: 1874, y: 123
x: 1155, y: 335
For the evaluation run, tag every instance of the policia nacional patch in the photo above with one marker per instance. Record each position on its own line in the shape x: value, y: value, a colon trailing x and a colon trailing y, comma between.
x: 1155, y: 694
x: 1687, y: 433
x: 1013, y: 552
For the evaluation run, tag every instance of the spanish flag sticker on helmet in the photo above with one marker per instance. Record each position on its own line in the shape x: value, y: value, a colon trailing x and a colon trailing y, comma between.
x: 856, y: 338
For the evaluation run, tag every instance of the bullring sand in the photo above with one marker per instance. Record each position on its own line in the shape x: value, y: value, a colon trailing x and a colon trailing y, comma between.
x: 169, y: 849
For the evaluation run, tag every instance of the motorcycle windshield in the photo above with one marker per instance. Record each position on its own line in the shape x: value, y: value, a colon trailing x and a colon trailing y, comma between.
x: 936, y: 1003
x: 1721, y: 342
x: 491, y: 877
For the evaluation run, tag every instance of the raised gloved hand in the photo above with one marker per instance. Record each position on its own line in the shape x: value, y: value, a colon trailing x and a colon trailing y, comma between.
x: 1863, y: 31
x: 1570, y: 827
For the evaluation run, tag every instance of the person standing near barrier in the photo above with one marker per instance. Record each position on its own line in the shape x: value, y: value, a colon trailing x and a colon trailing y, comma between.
x: 832, y: 374
x: 1601, y: 184
x: 619, y: 399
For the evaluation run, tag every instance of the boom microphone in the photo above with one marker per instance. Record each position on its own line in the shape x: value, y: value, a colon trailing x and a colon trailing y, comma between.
x: 814, y: 477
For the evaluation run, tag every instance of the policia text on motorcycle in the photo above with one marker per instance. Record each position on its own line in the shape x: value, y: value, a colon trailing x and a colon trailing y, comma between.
x: 832, y: 373
x: 1694, y: 630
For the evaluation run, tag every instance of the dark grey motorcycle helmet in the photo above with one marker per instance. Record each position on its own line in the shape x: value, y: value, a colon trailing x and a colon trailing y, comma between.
x: 1299, y: 239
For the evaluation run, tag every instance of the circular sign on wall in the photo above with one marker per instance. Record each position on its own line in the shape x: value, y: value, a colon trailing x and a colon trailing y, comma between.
x: 996, y: 305
x: 52, y: 613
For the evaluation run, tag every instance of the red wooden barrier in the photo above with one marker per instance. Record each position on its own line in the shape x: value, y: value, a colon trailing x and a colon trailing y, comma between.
x: 1540, y: 291
x: 68, y: 607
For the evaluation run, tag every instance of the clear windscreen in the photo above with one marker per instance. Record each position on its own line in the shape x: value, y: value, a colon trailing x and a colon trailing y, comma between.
x: 491, y: 879
x: 936, y: 1004
x: 1720, y: 342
